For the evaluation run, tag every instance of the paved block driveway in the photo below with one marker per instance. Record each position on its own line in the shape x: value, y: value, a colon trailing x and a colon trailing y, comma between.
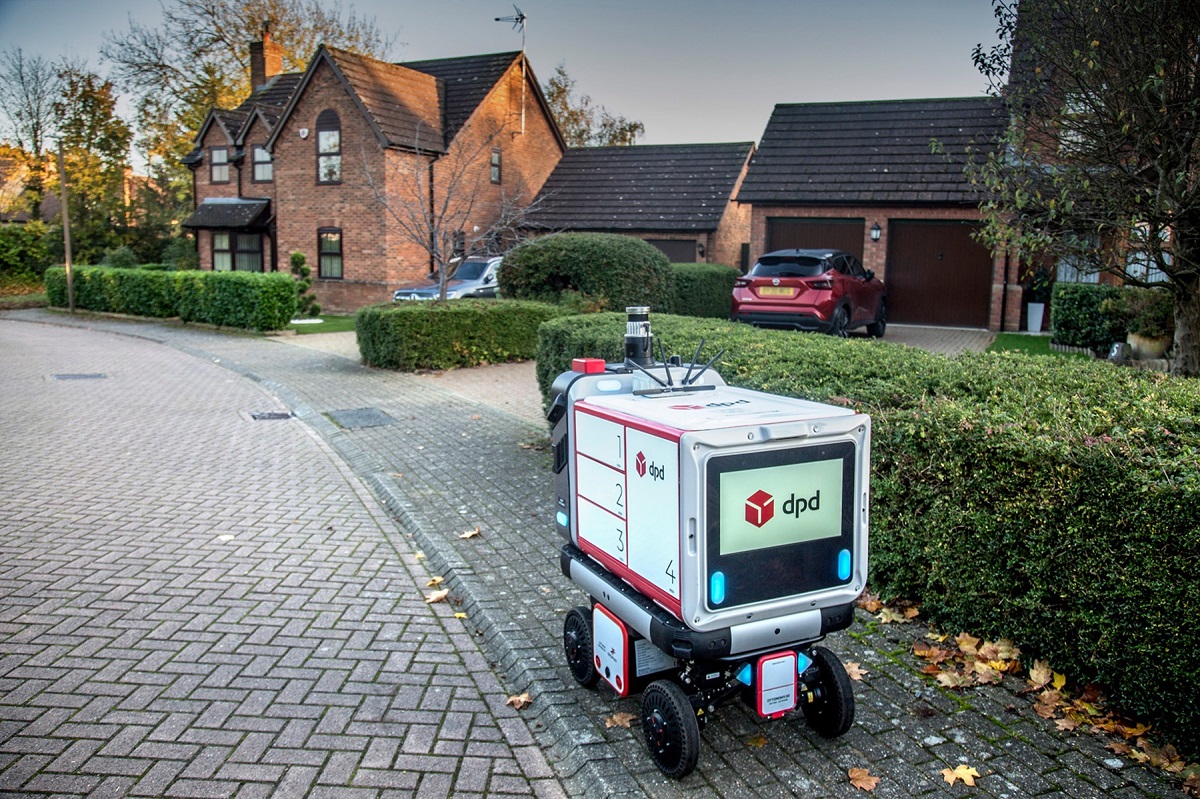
x: 194, y: 603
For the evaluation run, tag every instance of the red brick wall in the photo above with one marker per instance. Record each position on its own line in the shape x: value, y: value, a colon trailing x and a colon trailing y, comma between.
x: 733, y: 229
x: 1006, y: 305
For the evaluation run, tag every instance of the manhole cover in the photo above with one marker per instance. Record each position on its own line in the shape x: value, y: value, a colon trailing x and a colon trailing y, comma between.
x: 266, y: 416
x: 361, y: 417
x: 81, y: 376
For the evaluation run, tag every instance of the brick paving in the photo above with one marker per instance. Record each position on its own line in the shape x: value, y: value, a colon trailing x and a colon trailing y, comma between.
x: 138, y: 648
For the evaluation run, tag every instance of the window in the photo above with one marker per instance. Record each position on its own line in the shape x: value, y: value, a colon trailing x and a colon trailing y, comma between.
x: 329, y: 147
x: 219, y: 164
x: 222, y: 251
x: 496, y: 166
x: 329, y: 253
x: 1073, y: 269
x: 240, y: 251
x: 1140, y: 262
x: 264, y: 169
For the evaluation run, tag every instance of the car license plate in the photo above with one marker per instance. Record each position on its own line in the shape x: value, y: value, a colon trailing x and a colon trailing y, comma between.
x: 775, y: 291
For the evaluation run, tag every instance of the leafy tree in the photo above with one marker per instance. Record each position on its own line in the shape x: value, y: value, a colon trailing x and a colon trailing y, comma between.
x: 1102, y: 160
x: 29, y: 86
x: 95, y: 144
x: 583, y: 124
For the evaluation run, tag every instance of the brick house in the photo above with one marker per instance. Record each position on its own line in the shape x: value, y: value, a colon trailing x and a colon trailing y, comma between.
x: 341, y: 161
x: 862, y: 177
x: 677, y: 197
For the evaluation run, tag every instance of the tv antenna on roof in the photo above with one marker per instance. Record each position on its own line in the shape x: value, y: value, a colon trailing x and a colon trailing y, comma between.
x: 518, y: 21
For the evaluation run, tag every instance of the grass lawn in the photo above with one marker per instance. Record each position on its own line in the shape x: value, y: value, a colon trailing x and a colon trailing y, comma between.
x: 1029, y: 345
x: 329, y: 324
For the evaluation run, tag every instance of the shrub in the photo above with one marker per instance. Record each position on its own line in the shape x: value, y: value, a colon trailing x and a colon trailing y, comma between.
x: 442, y: 335
x: 122, y: 257
x: 1053, y: 501
x: 250, y: 300
x: 703, y: 290
x: 608, y: 270
x: 180, y: 253
x: 24, y: 249
x: 1077, y: 318
x: 306, y: 300
x: 1143, y: 312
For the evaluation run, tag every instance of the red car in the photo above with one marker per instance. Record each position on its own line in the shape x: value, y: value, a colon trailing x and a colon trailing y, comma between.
x: 828, y: 291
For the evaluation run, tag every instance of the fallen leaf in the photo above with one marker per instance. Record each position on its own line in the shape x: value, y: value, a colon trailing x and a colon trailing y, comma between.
x: 986, y: 675
x: 961, y: 772
x: 889, y: 616
x: 861, y: 778
x: 1066, y: 725
x: 434, y: 581
x: 855, y: 670
x: 967, y: 643
x: 1119, y: 748
x: 519, y: 701
x: 1059, y: 681
x: 619, y: 720
x: 475, y: 417
x: 932, y: 670
x: 471, y: 533
x: 437, y: 596
x: 1040, y: 674
x: 936, y: 637
x: 460, y: 615
x: 870, y: 603
x: 757, y: 741
x: 397, y: 474
x: 911, y: 613
x: 950, y: 679
x: 419, y: 556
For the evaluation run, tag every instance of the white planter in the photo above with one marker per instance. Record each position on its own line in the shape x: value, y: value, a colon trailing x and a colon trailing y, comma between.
x: 1033, y: 316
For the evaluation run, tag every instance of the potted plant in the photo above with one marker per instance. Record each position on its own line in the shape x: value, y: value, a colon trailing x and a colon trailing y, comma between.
x: 1149, y: 317
x: 1037, y: 294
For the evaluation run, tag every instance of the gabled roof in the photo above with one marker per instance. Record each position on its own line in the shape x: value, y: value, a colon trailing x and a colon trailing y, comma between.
x: 676, y: 187
x: 267, y: 102
x: 466, y: 81
x: 872, y: 153
x: 227, y: 212
x: 404, y: 105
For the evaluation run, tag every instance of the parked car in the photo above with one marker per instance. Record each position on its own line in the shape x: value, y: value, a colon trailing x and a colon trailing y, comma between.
x: 823, y: 290
x: 475, y: 277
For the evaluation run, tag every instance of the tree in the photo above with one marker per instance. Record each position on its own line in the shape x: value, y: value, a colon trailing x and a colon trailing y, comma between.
x: 581, y: 123
x: 1102, y: 159
x: 95, y: 143
x: 445, y: 205
x: 29, y: 87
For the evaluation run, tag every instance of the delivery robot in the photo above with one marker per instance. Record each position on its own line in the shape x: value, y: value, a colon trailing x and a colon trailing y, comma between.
x: 721, y: 533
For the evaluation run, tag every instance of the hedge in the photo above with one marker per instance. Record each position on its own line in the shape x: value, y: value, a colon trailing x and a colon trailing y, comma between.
x: 1053, y: 501
x: 1077, y: 318
x: 249, y: 300
x: 704, y: 290
x: 608, y: 270
x: 442, y: 335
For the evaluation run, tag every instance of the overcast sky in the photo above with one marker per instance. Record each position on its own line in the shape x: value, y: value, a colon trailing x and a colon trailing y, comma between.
x: 691, y: 70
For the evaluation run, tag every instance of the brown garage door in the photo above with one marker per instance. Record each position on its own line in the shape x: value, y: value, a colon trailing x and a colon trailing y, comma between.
x: 937, y: 274
x: 807, y: 234
x: 678, y: 252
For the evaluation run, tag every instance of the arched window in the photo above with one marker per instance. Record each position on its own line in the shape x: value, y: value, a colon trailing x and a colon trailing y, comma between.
x: 329, y: 147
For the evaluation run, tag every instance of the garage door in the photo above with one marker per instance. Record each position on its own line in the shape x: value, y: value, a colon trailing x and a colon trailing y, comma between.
x: 677, y: 252
x: 937, y: 274
x: 812, y: 234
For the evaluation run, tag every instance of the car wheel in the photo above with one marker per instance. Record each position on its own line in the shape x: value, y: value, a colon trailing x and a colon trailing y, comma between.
x: 837, y: 325
x: 877, y: 328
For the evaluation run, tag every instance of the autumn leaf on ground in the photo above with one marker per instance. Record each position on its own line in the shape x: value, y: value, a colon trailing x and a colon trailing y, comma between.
x: 1047, y: 704
x: 934, y: 654
x: 1066, y: 725
x: 889, y: 616
x: 911, y: 613
x: 1059, y: 681
x: 1165, y: 758
x: 932, y: 670
x: 471, y: 533
x: 419, y: 556
x: 434, y: 581
x: 985, y: 674
x: 519, y: 701
x: 475, y: 417
x: 1119, y: 748
x: 437, y: 596
x: 870, y: 603
x: 936, y: 637
x: 757, y: 741
x: 1040, y: 675
x: 949, y: 679
x: 961, y: 772
x: 861, y: 778
x: 619, y: 720
x: 968, y: 643
x: 460, y: 615
x: 855, y: 670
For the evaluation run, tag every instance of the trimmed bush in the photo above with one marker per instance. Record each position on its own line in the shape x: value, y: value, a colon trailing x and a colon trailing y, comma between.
x: 1050, y: 500
x: 442, y: 335
x: 24, y: 249
x: 609, y: 271
x: 1077, y: 319
x: 704, y: 290
x: 249, y: 300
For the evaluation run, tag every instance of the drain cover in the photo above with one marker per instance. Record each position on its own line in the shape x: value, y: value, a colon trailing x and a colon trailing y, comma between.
x: 266, y: 416
x: 361, y: 417
x: 81, y: 376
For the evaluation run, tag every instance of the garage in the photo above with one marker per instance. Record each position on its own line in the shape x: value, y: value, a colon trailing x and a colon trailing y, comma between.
x: 937, y: 274
x: 813, y: 234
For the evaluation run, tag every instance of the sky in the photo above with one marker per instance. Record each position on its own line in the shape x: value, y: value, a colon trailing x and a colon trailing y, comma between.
x: 691, y: 70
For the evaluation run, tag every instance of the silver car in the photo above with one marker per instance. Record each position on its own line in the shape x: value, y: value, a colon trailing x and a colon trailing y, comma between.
x: 475, y: 277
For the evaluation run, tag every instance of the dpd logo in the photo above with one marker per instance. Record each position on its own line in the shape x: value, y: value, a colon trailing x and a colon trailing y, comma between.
x: 654, y: 470
x: 760, y: 508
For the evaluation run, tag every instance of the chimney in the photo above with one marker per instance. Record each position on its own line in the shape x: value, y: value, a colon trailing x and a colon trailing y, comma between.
x: 266, y: 59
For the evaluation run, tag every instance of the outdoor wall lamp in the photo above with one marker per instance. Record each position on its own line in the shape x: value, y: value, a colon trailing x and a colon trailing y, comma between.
x: 876, y: 232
